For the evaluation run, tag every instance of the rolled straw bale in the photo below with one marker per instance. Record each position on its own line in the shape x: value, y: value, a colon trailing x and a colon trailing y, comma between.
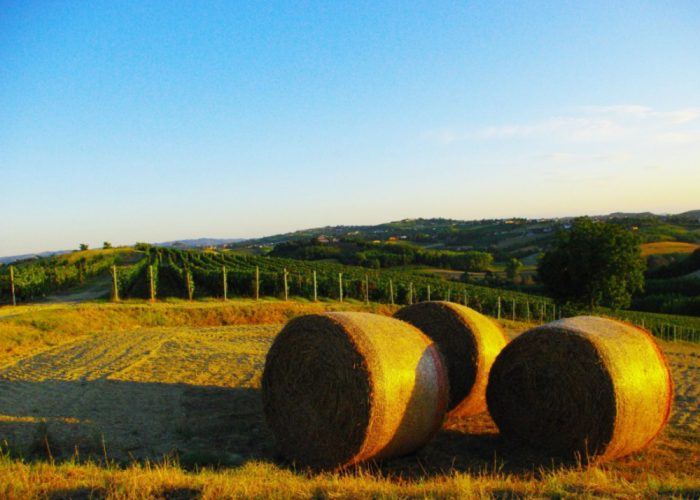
x: 585, y: 386
x: 341, y: 388
x: 469, y: 343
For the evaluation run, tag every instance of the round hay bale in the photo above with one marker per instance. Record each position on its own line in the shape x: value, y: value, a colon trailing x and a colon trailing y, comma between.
x: 342, y: 388
x: 583, y: 387
x: 469, y: 343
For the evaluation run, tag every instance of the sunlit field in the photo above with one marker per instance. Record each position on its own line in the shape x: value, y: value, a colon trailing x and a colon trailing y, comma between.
x: 138, y: 400
x: 665, y: 247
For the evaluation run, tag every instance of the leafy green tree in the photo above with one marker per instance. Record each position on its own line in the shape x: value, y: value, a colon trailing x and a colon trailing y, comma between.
x: 106, y: 245
x: 513, y: 268
x: 83, y: 246
x: 593, y: 263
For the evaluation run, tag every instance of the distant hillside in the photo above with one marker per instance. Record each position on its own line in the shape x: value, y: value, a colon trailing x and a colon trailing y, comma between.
x: 692, y: 214
x: 199, y: 242
x: 504, y: 238
x: 31, y: 256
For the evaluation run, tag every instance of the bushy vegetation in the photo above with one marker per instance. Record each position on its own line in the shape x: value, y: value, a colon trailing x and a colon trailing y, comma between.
x: 673, y: 265
x: 377, y: 255
x: 670, y: 286
x: 594, y: 263
x: 38, y: 278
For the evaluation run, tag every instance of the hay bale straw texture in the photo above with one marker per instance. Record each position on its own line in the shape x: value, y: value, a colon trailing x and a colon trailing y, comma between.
x: 585, y: 386
x: 342, y: 388
x: 469, y: 343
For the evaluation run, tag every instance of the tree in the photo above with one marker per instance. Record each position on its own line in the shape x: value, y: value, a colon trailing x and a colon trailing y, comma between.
x: 513, y: 268
x: 593, y: 263
x: 83, y: 246
x: 106, y: 245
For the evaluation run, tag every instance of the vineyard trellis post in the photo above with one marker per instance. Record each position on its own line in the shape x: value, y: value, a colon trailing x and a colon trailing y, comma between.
x: 286, y: 287
x: 315, y: 288
x: 367, y: 289
x: 513, y: 311
x: 527, y: 310
x: 466, y: 299
x: 12, y: 285
x: 428, y: 293
x: 498, y: 301
x: 224, y: 282
x: 391, y: 292
x: 410, y: 293
x: 449, y: 294
x: 257, y: 282
x: 115, y: 285
x: 340, y: 287
x: 151, y: 283
x: 190, y: 284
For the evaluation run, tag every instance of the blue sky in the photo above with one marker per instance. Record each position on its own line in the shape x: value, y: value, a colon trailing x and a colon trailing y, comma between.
x: 150, y: 121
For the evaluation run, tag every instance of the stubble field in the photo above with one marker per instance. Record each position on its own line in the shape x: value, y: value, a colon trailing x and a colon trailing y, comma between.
x: 130, y: 409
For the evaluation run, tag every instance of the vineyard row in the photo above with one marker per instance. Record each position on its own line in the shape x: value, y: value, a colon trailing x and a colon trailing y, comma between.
x: 166, y: 273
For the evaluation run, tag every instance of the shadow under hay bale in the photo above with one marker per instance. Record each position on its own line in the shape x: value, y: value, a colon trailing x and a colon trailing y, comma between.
x: 469, y: 342
x: 585, y: 386
x: 342, y: 388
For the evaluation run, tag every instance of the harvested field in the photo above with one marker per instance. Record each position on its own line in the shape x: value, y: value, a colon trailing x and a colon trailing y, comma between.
x: 194, y: 393
x: 144, y: 393
x: 663, y: 247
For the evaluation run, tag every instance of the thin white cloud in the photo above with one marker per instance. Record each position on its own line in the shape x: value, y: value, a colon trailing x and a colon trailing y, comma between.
x: 443, y: 136
x: 557, y: 157
x: 612, y: 157
x: 589, y: 124
x: 680, y: 137
x: 577, y: 129
x: 634, y: 111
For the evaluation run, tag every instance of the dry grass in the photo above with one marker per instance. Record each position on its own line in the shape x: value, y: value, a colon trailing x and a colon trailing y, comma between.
x: 469, y: 342
x: 265, y: 480
x: 662, y: 247
x: 29, y: 329
x: 143, y: 381
x: 582, y: 385
x: 364, y: 386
